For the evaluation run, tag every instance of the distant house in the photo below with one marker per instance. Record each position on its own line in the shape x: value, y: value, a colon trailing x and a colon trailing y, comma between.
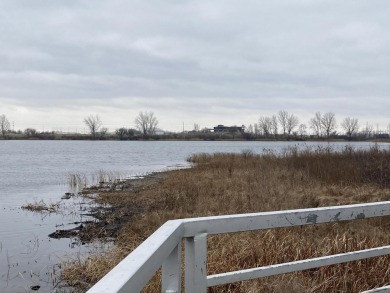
x: 230, y: 129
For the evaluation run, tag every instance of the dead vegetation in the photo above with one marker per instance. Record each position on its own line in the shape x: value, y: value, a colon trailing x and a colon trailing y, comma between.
x: 241, y: 183
x: 41, y: 207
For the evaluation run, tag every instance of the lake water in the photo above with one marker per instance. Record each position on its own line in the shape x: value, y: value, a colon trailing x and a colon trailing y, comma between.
x: 34, y: 171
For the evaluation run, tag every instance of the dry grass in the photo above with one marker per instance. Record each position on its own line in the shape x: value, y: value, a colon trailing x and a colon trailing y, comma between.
x: 229, y: 184
x: 41, y: 207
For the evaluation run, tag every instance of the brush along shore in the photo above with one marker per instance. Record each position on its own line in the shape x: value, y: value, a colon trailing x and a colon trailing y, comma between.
x: 221, y: 184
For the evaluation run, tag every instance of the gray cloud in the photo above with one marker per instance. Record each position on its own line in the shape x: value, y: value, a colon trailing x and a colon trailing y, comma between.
x: 193, y: 60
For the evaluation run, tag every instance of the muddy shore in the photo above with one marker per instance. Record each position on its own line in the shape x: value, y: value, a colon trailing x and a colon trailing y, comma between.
x: 129, y: 211
x: 109, y: 218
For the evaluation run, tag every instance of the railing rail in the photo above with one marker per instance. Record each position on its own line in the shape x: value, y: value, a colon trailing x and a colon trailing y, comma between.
x: 163, y: 249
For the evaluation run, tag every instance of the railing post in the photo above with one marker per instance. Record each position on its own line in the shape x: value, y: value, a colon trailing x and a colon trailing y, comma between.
x: 195, y: 264
x: 171, y: 272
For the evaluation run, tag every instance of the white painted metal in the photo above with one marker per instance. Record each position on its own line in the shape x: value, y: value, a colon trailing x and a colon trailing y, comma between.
x: 131, y: 274
x: 295, y: 266
x: 195, y: 264
x: 286, y: 218
x: 385, y: 289
x: 171, y: 271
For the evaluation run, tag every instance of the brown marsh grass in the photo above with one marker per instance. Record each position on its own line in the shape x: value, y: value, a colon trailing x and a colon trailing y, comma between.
x: 41, y: 207
x: 241, y: 183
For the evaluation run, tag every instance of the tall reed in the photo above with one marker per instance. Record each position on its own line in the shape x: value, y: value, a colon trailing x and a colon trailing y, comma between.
x: 242, y: 183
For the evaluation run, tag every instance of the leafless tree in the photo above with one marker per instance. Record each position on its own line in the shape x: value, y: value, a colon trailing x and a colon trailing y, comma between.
x: 328, y: 123
x: 265, y: 124
x: 274, y: 125
x: 368, y: 130
x: 315, y: 124
x: 287, y: 121
x: 249, y: 129
x: 302, y: 130
x: 196, y: 127
x: 350, y: 125
x: 93, y: 122
x: 256, y: 129
x: 283, y: 118
x: 146, y: 123
x: 292, y: 122
x: 4, y: 125
x: 103, y: 132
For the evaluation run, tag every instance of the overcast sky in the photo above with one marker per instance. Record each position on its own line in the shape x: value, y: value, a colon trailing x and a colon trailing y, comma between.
x: 201, y: 61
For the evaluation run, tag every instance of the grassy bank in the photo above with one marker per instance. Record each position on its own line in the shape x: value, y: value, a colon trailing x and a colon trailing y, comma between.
x: 240, y: 183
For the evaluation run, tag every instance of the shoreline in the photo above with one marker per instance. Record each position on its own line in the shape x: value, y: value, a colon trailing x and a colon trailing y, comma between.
x: 229, y: 184
x: 98, y: 155
x: 100, y: 229
x: 194, y: 137
x: 209, y: 140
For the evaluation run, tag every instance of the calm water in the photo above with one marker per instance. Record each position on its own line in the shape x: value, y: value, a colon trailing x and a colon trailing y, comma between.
x: 31, y: 171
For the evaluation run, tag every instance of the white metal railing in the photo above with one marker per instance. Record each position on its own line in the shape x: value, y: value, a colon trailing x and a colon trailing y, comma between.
x: 163, y: 249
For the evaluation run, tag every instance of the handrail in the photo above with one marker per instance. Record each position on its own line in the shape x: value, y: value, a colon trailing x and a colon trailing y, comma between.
x: 295, y: 266
x: 133, y: 272
x: 163, y: 248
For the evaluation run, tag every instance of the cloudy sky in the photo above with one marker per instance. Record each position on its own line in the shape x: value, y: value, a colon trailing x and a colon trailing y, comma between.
x: 205, y: 62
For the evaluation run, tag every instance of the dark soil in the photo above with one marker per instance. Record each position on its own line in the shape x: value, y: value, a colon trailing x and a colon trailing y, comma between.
x: 109, y: 219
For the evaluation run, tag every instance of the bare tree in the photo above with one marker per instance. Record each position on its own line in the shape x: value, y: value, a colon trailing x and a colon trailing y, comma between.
x: 315, y: 124
x: 256, y: 129
x: 283, y: 118
x: 146, y: 123
x: 196, y: 127
x: 265, y: 124
x: 302, y: 130
x: 93, y: 122
x: 292, y: 122
x: 368, y: 130
x: 274, y: 125
x: 249, y: 129
x: 287, y: 121
x: 4, y: 125
x: 103, y: 132
x: 328, y: 123
x: 350, y: 125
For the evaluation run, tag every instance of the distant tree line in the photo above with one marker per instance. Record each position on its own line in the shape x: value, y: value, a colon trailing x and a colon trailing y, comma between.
x: 145, y: 126
x: 145, y: 123
x: 282, y: 125
x: 322, y: 125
